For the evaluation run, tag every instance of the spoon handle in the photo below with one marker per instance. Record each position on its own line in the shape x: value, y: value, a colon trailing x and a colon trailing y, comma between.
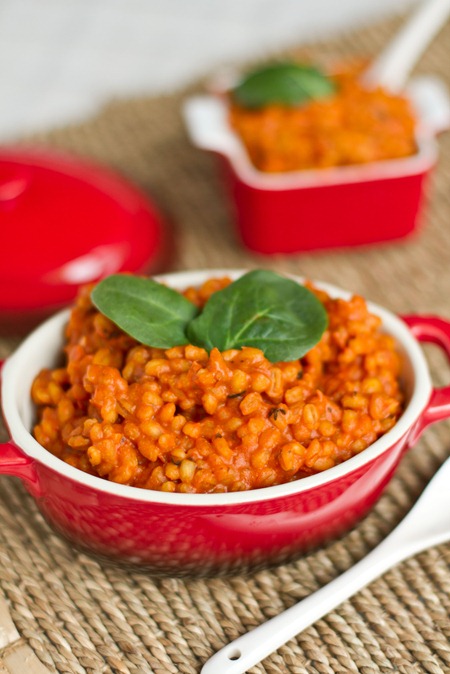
x: 392, y: 67
x: 249, y: 649
x: 426, y: 524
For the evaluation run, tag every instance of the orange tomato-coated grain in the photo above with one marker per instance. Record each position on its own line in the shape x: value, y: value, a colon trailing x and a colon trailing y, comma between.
x: 353, y: 126
x: 183, y: 420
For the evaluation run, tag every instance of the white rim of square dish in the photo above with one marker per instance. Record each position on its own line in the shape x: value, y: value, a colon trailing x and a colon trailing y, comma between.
x: 206, y: 119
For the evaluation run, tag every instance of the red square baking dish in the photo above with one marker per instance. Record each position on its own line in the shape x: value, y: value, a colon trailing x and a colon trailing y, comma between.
x: 292, y: 212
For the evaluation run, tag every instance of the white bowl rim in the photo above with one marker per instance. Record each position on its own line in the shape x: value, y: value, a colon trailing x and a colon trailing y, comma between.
x: 20, y: 435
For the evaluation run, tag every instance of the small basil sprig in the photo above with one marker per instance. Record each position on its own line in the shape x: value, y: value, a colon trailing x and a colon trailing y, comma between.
x: 260, y: 309
x: 148, y: 311
x: 283, y: 83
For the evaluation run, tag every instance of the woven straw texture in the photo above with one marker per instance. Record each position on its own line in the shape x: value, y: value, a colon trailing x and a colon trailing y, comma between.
x: 74, y: 615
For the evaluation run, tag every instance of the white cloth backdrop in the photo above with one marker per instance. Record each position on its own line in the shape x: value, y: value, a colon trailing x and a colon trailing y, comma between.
x: 61, y: 59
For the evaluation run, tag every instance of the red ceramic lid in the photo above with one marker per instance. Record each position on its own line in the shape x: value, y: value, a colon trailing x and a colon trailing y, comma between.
x: 65, y: 222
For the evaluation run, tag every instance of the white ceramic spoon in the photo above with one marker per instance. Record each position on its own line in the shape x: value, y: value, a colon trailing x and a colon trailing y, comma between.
x: 427, y: 524
x: 393, y: 66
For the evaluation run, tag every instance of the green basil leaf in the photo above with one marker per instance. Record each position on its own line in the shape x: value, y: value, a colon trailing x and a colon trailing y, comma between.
x: 148, y: 311
x: 282, y: 83
x: 264, y: 310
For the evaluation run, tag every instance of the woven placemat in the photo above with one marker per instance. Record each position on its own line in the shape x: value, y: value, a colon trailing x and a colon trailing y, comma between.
x: 73, y: 615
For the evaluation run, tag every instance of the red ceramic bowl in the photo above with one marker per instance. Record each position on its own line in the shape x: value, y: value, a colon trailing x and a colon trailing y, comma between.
x: 323, y: 208
x: 212, y: 533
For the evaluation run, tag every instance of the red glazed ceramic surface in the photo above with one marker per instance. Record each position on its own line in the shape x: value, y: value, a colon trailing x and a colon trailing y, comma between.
x: 190, y: 534
x: 80, y: 222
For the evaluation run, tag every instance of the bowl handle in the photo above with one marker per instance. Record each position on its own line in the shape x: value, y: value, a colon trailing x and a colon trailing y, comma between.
x: 431, y: 100
x: 435, y: 331
x: 206, y: 119
x: 14, y: 462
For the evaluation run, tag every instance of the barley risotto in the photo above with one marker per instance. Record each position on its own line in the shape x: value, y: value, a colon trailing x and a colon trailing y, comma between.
x: 350, y: 124
x: 187, y: 419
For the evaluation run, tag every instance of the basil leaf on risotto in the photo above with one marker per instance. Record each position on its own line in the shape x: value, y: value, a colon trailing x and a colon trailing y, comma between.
x: 264, y: 310
x: 149, y: 311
